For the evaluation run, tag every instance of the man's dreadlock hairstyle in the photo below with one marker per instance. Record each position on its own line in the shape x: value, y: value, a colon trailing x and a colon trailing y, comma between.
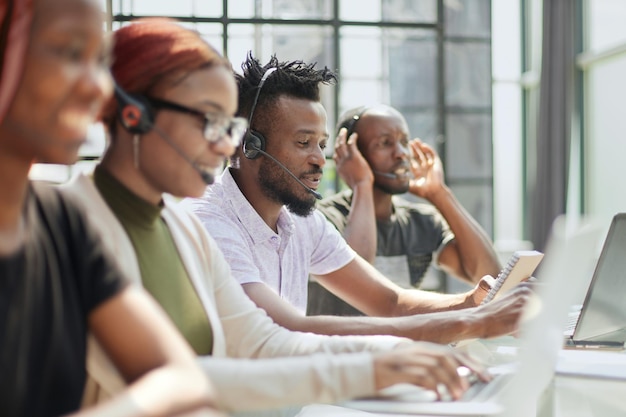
x: 294, y: 79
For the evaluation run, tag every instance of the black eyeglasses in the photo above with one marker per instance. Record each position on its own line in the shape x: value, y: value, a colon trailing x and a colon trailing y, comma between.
x: 216, y: 125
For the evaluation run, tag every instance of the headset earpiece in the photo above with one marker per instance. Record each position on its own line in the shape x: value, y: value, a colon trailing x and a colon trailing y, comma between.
x: 252, y: 144
x: 350, y: 124
x: 134, y: 112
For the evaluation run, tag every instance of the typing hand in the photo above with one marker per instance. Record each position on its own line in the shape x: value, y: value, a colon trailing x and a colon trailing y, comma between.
x: 464, y: 372
x: 426, y: 365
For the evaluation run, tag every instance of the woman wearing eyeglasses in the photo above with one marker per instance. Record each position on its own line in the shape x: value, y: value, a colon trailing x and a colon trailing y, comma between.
x: 171, y: 127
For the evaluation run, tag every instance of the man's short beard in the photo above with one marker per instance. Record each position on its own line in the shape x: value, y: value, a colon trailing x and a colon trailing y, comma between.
x: 399, y: 189
x: 276, y: 185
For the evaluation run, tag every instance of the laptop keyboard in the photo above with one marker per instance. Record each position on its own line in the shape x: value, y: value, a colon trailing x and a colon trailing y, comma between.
x: 477, y: 392
x: 483, y: 391
x: 572, y: 320
x: 474, y: 390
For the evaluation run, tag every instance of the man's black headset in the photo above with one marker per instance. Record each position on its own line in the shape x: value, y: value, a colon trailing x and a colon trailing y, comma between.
x: 254, y: 141
x: 350, y: 126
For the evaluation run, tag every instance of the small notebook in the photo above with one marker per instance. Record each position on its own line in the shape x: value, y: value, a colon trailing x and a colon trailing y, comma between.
x: 520, y: 266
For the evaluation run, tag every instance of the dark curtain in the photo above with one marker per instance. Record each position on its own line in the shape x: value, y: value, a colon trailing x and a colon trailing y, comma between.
x: 555, y: 117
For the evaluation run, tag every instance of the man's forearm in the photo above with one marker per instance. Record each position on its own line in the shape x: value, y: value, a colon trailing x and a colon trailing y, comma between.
x: 360, y: 230
x: 440, y: 327
x: 413, y: 301
x: 475, y: 248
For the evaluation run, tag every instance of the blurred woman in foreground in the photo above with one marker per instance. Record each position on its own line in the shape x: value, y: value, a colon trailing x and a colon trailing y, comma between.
x: 56, y: 280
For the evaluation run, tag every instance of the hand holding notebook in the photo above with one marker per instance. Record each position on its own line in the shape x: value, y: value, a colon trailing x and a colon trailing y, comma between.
x: 519, y: 267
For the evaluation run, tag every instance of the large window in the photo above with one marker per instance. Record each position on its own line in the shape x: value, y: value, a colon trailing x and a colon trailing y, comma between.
x: 431, y: 59
x: 604, y: 63
x: 596, y: 164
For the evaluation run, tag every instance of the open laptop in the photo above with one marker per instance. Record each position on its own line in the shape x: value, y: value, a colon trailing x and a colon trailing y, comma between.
x: 515, y: 393
x: 601, y: 320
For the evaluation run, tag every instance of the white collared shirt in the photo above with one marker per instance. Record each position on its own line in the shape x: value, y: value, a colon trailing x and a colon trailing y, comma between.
x: 283, y: 260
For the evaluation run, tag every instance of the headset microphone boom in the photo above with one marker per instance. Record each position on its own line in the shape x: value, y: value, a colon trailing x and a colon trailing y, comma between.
x: 284, y: 168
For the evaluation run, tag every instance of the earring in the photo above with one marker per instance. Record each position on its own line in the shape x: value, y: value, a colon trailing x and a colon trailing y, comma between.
x: 136, y: 150
x: 234, y: 162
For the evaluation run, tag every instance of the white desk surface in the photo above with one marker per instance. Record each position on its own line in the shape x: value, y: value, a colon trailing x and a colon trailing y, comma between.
x: 587, y: 382
x: 590, y: 383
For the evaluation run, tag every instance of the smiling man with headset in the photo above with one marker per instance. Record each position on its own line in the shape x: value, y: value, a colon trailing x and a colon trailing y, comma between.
x: 262, y: 215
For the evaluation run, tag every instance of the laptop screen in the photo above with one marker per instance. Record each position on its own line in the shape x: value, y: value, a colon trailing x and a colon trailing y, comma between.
x: 603, y: 310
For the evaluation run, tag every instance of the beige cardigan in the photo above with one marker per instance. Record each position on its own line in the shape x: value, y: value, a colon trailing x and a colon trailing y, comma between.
x: 295, y: 369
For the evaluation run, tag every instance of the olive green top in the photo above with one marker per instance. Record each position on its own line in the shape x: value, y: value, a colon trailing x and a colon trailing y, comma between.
x: 162, y: 271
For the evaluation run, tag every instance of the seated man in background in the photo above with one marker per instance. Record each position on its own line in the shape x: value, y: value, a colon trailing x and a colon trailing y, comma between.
x: 377, y: 160
x: 263, y: 218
